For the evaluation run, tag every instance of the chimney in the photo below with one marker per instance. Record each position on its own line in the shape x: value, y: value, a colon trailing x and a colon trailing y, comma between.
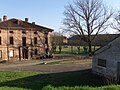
x: 33, y: 23
x: 18, y: 22
x: 0, y: 20
x: 4, y: 18
x: 26, y: 19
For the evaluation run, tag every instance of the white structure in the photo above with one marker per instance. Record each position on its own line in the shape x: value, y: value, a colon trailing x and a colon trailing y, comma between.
x: 106, y: 60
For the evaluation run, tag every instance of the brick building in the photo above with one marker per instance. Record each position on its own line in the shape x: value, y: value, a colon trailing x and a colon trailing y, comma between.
x: 21, y: 40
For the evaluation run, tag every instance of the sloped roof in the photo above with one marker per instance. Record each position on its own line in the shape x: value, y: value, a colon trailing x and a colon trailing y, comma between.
x: 106, y: 46
x: 19, y: 24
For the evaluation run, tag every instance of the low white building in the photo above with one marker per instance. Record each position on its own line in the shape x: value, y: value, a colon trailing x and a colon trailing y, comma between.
x: 106, y: 60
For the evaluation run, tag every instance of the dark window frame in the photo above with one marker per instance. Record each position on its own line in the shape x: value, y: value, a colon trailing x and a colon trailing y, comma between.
x: 11, y: 40
x: 0, y: 40
x: 36, y: 52
x: 1, y: 54
x: 23, y: 41
x: 24, y: 32
x: 46, y: 40
x: 10, y: 31
x: 102, y: 62
x: 35, y: 40
x: 35, y: 32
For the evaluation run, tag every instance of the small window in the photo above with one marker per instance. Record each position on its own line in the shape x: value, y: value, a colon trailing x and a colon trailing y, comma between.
x: 24, y: 32
x: 0, y: 41
x: 11, y: 41
x: 35, y: 32
x: 102, y: 62
x: 0, y: 54
x: 10, y: 31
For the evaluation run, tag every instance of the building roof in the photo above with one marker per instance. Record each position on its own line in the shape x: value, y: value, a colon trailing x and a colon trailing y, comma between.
x: 20, y: 24
x: 106, y: 46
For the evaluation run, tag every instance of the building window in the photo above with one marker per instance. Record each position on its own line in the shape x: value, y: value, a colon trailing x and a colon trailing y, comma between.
x: 24, y: 32
x: 0, y: 54
x: 11, y: 53
x: 36, y: 51
x: 0, y: 41
x: 23, y: 41
x: 35, y: 40
x: 11, y: 41
x: 102, y: 62
x: 46, y: 40
x: 10, y: 31
x: 35, y: 32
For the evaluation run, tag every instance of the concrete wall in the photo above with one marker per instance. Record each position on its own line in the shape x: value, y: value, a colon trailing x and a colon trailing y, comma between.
x: 111, y: 53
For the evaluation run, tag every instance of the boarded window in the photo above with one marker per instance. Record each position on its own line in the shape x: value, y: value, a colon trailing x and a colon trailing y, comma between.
x: 102, y: 62
x: 11, y: 41
x: 11, y: 53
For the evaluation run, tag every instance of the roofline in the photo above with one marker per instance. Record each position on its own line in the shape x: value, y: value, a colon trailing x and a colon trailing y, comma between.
x: 38, y: 25
x: 106, y: 45
x: 47, y: 29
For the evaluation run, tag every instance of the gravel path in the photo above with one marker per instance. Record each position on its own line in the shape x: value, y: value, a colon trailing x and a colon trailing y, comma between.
x: 34, y: 66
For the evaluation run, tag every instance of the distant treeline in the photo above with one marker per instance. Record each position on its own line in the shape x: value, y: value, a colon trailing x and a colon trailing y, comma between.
x: 100, y: 40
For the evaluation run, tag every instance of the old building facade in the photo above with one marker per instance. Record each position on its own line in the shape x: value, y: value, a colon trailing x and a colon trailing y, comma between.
x: 21, y: 40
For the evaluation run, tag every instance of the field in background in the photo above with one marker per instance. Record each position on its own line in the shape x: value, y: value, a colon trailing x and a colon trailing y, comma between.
x: 74, y: 49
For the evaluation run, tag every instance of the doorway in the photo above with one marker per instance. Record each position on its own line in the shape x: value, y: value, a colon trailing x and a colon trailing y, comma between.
x: 25, y: 53
x: 118, y: 72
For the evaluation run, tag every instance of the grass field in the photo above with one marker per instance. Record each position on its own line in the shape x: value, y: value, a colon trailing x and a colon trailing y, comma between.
x: 74, y: 49
x: 77, y: 80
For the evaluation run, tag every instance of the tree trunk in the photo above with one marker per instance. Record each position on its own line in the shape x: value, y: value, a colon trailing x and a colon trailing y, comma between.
x: 90, y: 48
x: 71, y: 49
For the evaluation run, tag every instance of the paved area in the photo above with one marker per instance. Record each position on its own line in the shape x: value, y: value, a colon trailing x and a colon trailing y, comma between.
x: 36, y: 66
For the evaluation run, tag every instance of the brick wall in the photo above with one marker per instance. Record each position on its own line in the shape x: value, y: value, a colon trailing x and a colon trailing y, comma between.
x: 17, y: 36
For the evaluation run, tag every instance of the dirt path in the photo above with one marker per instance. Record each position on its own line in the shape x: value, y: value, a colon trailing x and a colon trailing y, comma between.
x: 34, y: 66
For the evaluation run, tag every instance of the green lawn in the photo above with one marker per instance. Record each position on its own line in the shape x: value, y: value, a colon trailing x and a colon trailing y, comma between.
x: 68, y: 49
x: 77, y: 80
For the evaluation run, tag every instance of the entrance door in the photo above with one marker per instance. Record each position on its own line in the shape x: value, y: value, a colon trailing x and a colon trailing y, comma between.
x: 25, y: 53
x: 118, y: 72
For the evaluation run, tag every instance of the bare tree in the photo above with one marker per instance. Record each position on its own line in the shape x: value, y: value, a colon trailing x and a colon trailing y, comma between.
x: 86, y: 17
x: 57, y: 41
x: 116, y: 22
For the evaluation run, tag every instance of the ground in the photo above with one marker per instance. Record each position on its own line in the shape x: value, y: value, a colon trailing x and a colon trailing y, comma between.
x: 48, y: 65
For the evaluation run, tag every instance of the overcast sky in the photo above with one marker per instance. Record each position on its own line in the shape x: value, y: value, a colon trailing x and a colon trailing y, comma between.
x: 48, y: 13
